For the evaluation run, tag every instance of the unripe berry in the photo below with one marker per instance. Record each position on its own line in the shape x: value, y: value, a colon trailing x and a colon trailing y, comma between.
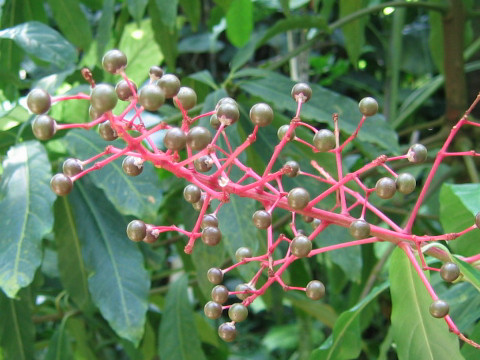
x: 106, y: 131
x: 175, y: 139
x: 262, y: 219
x: 114, y: 61
x: 155, y: 72
x: 94, y: 114
x: 211, y: 236
x: 243, y: 287
x: 38, y: 101
x: 198, y: 138
x: 103, y: 98
x: 136, y: 230
x: 215, y: 276
x: 261, y: 114
x: 293, y: 167
x: 209, y: 220
x: 132, y: 165
x: 307, y: 219
x: 227, y: 113
x: 170, y: 85
x: 282, y: 131
x: 151, y: 97
x: 123, y: 90
x: 199, y: 204
x: 214, y: 122
x: 187, y: 97
x: 220, y: 294
x: 449, y: 272
x: 302, y: 90
x: 300, y: 246
x: 212, y: 310
x: 368, y: 106
x: 151, y: 236
x: 324, y: 140
x: 298, y: 198
x: 385, y: 188
x: 227, y: 332
x: 359, y: 229
x: 439, y: 308
x: 192, y: 193
x: 477, y: 220
x: 242, y: 253
x: 238, y: 312
x: 405, y: 183
x: 315, y: 223
x: 61, y: 184
x: 203, y: 163
x: 315, y: 290
x: 417, y: 153
x: 44, y: 127
x: 224, y: 101
x: 72, y: 167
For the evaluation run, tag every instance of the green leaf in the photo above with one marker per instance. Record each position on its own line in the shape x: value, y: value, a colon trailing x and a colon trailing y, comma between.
x: 418, y: 335
x: 17, y: 333
x: 72, y: 22
x: 205, y: 77
x: 76, y: 327
x: 136, y: 8
x: 165, y: 37
x: 318, y: 310
x: 42, y: 42
x: 178, y: 339
x: 168, y: 15
x: 205, y: 257
x: 105, y: 25
x: 469, y: 272
x: 458, y: 206
x: 346, y: 342
x: 139, y: 196
x: 239, y: 22
x: 25, y: 214
x: 118, y: 281
x: 353, y: 31
x: 193, y: 11
x: 59, y: 346
x: 435, y: 37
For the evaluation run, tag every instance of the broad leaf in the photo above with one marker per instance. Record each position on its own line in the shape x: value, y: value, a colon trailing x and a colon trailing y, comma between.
x: 417, y: 334
x: 118, y: 281
x: 165, y: 37
x: 59, y: 346
x: 193, y: 11
x: 168, y: 15
x: 25, y: 214
x: 178, y: 338
x: 317, y: 310
x: 105, y: 25
x: 136, y: 8
x: 469, y: 272
x: 239, y: 22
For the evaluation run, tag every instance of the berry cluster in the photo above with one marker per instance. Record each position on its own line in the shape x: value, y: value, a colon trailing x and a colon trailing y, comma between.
x: 193, y: 153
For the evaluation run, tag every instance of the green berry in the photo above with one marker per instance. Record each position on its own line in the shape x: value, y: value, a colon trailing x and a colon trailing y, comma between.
x: 315, y: 290
x: 39, y: 101
x: 238, y: 312
x: 298, y: 198
x: 123, y: 90
x: 94, y: 114
x: 227, y: 113
x: 215, y: 276
x: 187, y: 97
x: 170, y: 85
x: 243, y: 287
x: 227, y: 332
x: 368, y: 106
x: 439, y: 308
x: 300, y: 246
x: 132, y: 165
x: 302, y: 90
x: 192, y: 193
x: 282, y: 131
x: 261, y: 114
x: 44, y: 127
x: 72, y: 167
x: 199, y: 204
x: 114, y: 61
x: 61, y: 184
x: 405, y: 183
x: 106, y: 131
x: 224, y: 101
x: 151, y: 236
x: 209, y: 220
x: 449, y: 272
x: 307, y: 219
x: 292, y: 168
x: 214, y: 122
x: 359, y: 229
x: 212, y: 310
x: 151, y: 97
x: 211, y: 236
x: 315, y: 223
x: 175, y: 139
x: 417, y: 153
x: 103, y: 98
x: 220, y: 294
x: 477, y: 220
x: 136, y: 230
x: 198, y: 138
x: 324, y: 140
x: 243, y: 253
x: 203, y: 163
x: 385, y: 188
x: 262, y: 219
x: 155, y: 72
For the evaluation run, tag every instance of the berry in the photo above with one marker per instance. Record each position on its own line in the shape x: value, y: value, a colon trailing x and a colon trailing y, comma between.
x: 170, y: 85
x: 123, y: 90
x: 199, y: 204
x: 151, y: 97
x: 187, y: 97
x: 262, y: 219
x: 227, y: 332
x: 315, y: 223
x: 417, y: 153
x: 215, y: 276
x: 212, y: 310
x: 132, y: 165
x: 405, y: 183
x: 72, y: 167
x: 324, y: 140
x: 220, y: 294
x: 298, y: 198
x: 242, y: 253
x: 136, y: 230
x: 192, y: 193
x: 61, y: 184
x: 151, y: 236
x: 238, y: 312
x: 211, y: 236
x: 198, y: 138
x: 114, y: 61
x: 94, y: 114
x: 175, y: 139
x: 44, y: 127
x: 227, y: 113
x: 224, y: 101
x: 243, y: 287
x: 155, y: 72
x: 106, y: 131
x: 315, y: 290
x: 103, y: 98
x: 359, y: 229
x: 307, y: 219
x: 282, y: 131
x: 261, y: 114
x: 209, y: 220
x: 449, y: 272
x: 292, y: 168
x: 477, y: 220
x: 203, y: 163
x: 39, y: 101
x: 368, y: 106
x: 214, y: 122
x: 300, y: 246
x: 439, y: 308
x: 301, y: 90
x: 385, y: 188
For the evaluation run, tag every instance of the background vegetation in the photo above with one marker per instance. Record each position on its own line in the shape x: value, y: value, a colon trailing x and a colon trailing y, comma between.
x: 419, y: 59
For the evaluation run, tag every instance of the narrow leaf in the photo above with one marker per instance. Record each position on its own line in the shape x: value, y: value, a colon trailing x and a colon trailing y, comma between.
x: 178, y: 338
x: 354, y: 31
x: 240, y: 22
x: 469, y: 272
x: 25, y: 214
x: 192, y: 10
x: 165, y: 37
x: 59, y: 347
x: 168, y: 15
x: 105, y: 25
x: 136, y: 8
x: 435, y: 37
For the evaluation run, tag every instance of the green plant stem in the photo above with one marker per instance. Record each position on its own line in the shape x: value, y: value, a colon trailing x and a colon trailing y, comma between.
x: 376, y: 270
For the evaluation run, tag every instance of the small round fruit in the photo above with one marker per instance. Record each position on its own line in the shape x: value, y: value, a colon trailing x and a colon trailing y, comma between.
x: 385, y: 188
x: 155, y: 72
x: 199, y: 204
x: 238, y: 312
x: 114, y: 61
x: 359, y: 229
x: 192, y: 193
x: 170, y: 84
x: 106, y: 131
x: 198, y: 138
x: 439, y: 308
x: 103, y: 98
x: 215, y: 275
x: 39, y: 101
x: 211, y: 236
x: 44, y: 127
x: 203, y: 163
x: 214, y: 122
x: 293, y: 167
x: 72, y: 167
x: 94, y: 114
x: 262, y: 219
x: 227, y: 113
x: 298, y: 198
x: 187, y: 97
x: 136, y: 230
x: 449, y: 272
x: 243, y: 287
x: 324, y: 140
x: 477, y: 220
x: 212, y: 310
x: 300, y: 246
x: 220, y: 294
x: 227, y: 332
x: 209, y: 220
x: 242, y: 253
x: 307, y: 219
x: 368, y: 106
x: 315, y: 290
x: 261, y: 114
x: 303, y: 90
x: 315, y: 223
x: 151, y: 236
x: 417, y: 153
x: 282, y: 131
x: 132, y: 166
x: 61, y: 184
x: 151, y: 97
x: 123, y: 90
x: 405, y: 183
x: 175, y: 139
